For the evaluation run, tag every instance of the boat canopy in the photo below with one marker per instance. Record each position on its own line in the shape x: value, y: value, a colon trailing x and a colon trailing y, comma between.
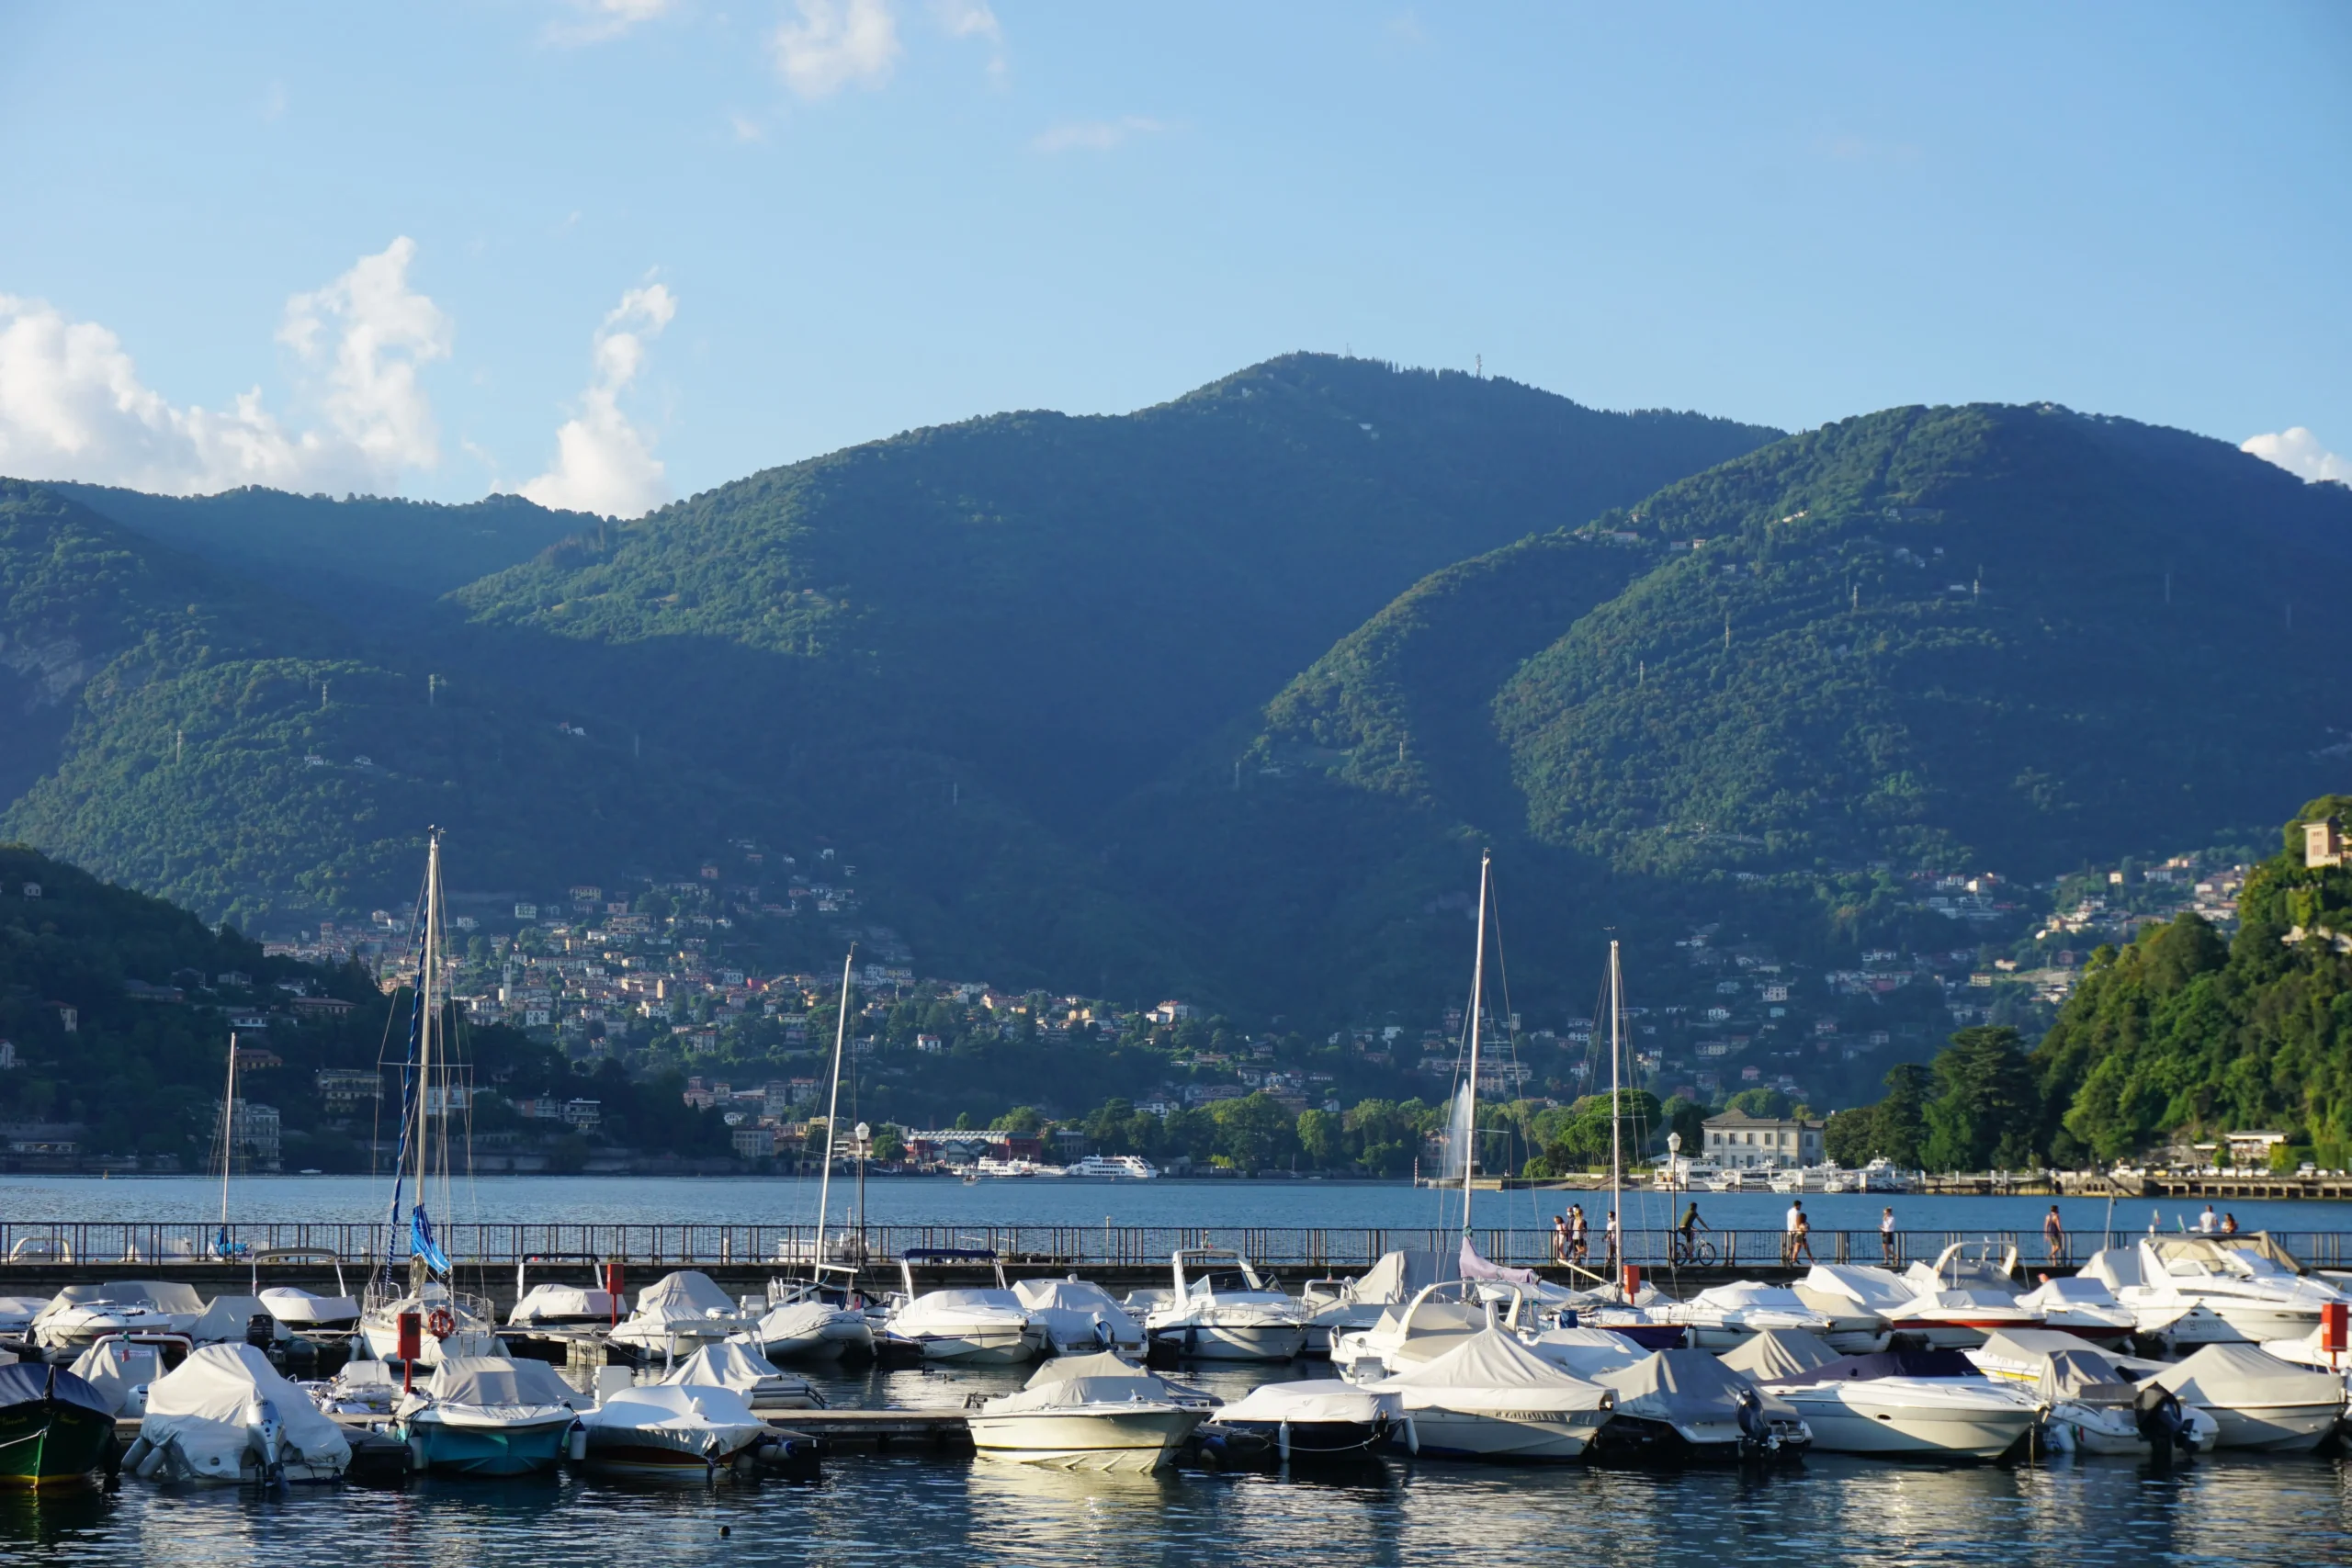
x: 1065, y: 1296
x: 293, y: 1305
x: 1493, y: 1370
x: 2071, y: 1290
x: 1588, y: 1352
x: 1400, y: 1276
x: 116, y: 1365
x: 498, y: 1381
x: 1877, y: 1289
x: 1748, y: 1295
x: 204, y: 1403
x: 1098, y: 1379
x: 697, y: 1410
x: 1317, y: 1399
x: 1476, y: 1268
x: 2083, y: 1377
x: 21, y: 1383
x: 1895, y: 1364
x: 687, y: 1293
x: 549, y: 1302
x: 1678, y: 1387
x: 1776, y: 1354
x: 2234, y: 1376
x: 2117, y: 1267
x: 225, y: 1320
x: 729, y: 1365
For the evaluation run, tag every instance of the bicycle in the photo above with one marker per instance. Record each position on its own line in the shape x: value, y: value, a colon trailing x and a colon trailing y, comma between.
x: 1694, y: 1252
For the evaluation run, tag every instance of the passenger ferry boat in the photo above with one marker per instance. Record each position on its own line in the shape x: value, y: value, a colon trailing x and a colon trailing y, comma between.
x: 1130, y: 1167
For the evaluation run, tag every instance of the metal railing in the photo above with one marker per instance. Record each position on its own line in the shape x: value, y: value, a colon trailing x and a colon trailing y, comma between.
x: 164, y: 1244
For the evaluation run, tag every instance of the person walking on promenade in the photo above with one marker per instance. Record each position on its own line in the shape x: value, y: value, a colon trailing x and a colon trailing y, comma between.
x: 2053, y: 1235
x: 1611, y: 1239
x: 1559, y: 1238
x: 1886, y: 1235
x: 1800, y: 1237
x: 1789, y: 1233
x: 1576, y: 1239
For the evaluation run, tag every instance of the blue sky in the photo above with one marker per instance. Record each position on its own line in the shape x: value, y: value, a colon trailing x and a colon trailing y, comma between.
x: 612, y: 251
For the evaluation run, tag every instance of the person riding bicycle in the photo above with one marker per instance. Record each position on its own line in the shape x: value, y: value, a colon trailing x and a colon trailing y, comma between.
x: 1691, y: 1222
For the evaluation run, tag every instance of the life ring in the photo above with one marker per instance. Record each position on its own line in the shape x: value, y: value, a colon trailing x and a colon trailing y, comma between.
x: 439, y: 1324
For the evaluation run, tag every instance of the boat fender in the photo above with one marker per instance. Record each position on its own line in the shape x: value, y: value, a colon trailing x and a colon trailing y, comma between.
x: 2058, y: 1437
x: 416, y: 1452
x: 576, y: 1443
x: 139, y: 1450
x: 1281, y: 1441
x: 1412, y: 1437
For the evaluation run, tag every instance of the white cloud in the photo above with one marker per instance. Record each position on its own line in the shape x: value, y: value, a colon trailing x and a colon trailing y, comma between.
x: 1095, y: 135
x: 972, y: 19
x: 836, y: 43
x: 594, y: 21
x: 2297, y: 451
x: 603, y: 463
x: 72, y: 404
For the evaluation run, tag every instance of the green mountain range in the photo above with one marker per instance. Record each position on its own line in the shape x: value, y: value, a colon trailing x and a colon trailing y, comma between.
x: 1223, y: 697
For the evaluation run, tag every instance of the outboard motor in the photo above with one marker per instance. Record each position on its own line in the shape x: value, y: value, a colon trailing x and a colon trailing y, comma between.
x: 1755, y: 1429
x: 263, y: 1434
x: 2161, y: 1421
x: 261, y: 1331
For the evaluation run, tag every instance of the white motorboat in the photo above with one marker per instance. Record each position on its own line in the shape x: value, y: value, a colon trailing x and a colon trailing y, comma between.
x: 80, y: 1315
x: 1917, y: 1404
x: 1685, y: 1406
x: 224, y: 1416
x: 358, y: 1388
x: 489, y: 1415
x: 2247, y: 1280
x: 677, y: 1315
x: 2177, y: 1324
x: 671, y: 1429
x: 973, y: 1326
x: 2093, y: 1406
x: 1319, y: 1420
x: 1124, y: 1167
x: 1221, y: 1311
x: 16, y: 1314
x: 1723, y: 1316
x: 1437, y: 1318
x: 758, y: 1381
x: 1079, y: 1317
x: 2082, y: 1305
x: 1490, y: 1397
x: 2259, y: 1400
x: 1337, y: 1306
x: 1940, y: 1318
x: 1588, y: 1352
x: 1090, y: 1413
x: 2311, y: 1350
x: 304, y: 1312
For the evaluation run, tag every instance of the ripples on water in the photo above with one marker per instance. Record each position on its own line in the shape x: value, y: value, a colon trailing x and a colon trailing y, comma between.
x: 897, y: 1509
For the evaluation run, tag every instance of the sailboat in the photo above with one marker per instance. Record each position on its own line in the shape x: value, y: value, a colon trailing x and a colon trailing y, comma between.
x: 818, y: 1317
x: 1464, y: 1140
x: 448, y: 1322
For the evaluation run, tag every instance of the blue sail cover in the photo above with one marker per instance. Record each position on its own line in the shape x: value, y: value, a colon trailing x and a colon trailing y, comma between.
x: 422, y: 1244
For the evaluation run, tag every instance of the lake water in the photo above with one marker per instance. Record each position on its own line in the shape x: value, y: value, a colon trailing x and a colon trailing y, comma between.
x: 891, y: 1511
x: 923, y: 1200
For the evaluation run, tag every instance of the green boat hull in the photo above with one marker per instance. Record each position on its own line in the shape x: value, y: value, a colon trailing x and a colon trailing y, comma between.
x: 52, y: 1443
x: 489, y: 1450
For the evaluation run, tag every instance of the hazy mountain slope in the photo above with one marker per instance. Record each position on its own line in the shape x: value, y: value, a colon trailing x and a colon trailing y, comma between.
x: 2014, y: 637
x: 1060, y: 606
x: 359, y: 553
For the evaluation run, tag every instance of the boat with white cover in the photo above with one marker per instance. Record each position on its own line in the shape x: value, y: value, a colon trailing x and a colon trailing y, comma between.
x: 358, y: 1388
x: 1078, y: 1316
x: 677, y: 1315
x: 80, y: 1315
x: 1588, y: 1352
x: 1942, y: 1318
x: 1723, y: 1316
x: 1907, y: 1403
x: 2095, y: 1407
x: 122, y: 1370
x: 818, y: 1319
x: 1685, y: 1406
x: 1438, y: 1318
x: 1221, y: 1311
x: 971, y: 1325
x: 1338, y: 1307
x: 2259, y: 1400
x: 1778, y: 1353
x: 226, y: 1416
x: 760, y: 1382
x: 553, y: 1304
x: 230, y: 1320
x: 1320, y: 1420
x: 1490, y: 1397
x: 2176, y: 1324
x: 1088, y: 1413
x: 2083, y: 1306
x: 668, y: 1429
x: 489, y: 1415
x: 303, y: 1311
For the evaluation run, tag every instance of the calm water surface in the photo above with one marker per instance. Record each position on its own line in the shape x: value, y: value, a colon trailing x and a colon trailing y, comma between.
x: 909, y: 1509
x: 919, y: 1201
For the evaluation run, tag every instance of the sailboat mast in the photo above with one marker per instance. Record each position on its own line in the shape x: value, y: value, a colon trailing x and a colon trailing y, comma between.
x: 1477, y: 1003
x: 834, y: 1104
x: 1616, y: 1103
x: 428, y: 1021
x: 228, y: 1136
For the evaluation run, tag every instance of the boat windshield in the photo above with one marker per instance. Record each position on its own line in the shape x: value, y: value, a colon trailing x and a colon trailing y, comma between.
x: 1222, y: 1282
x: 2243, y: 1256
